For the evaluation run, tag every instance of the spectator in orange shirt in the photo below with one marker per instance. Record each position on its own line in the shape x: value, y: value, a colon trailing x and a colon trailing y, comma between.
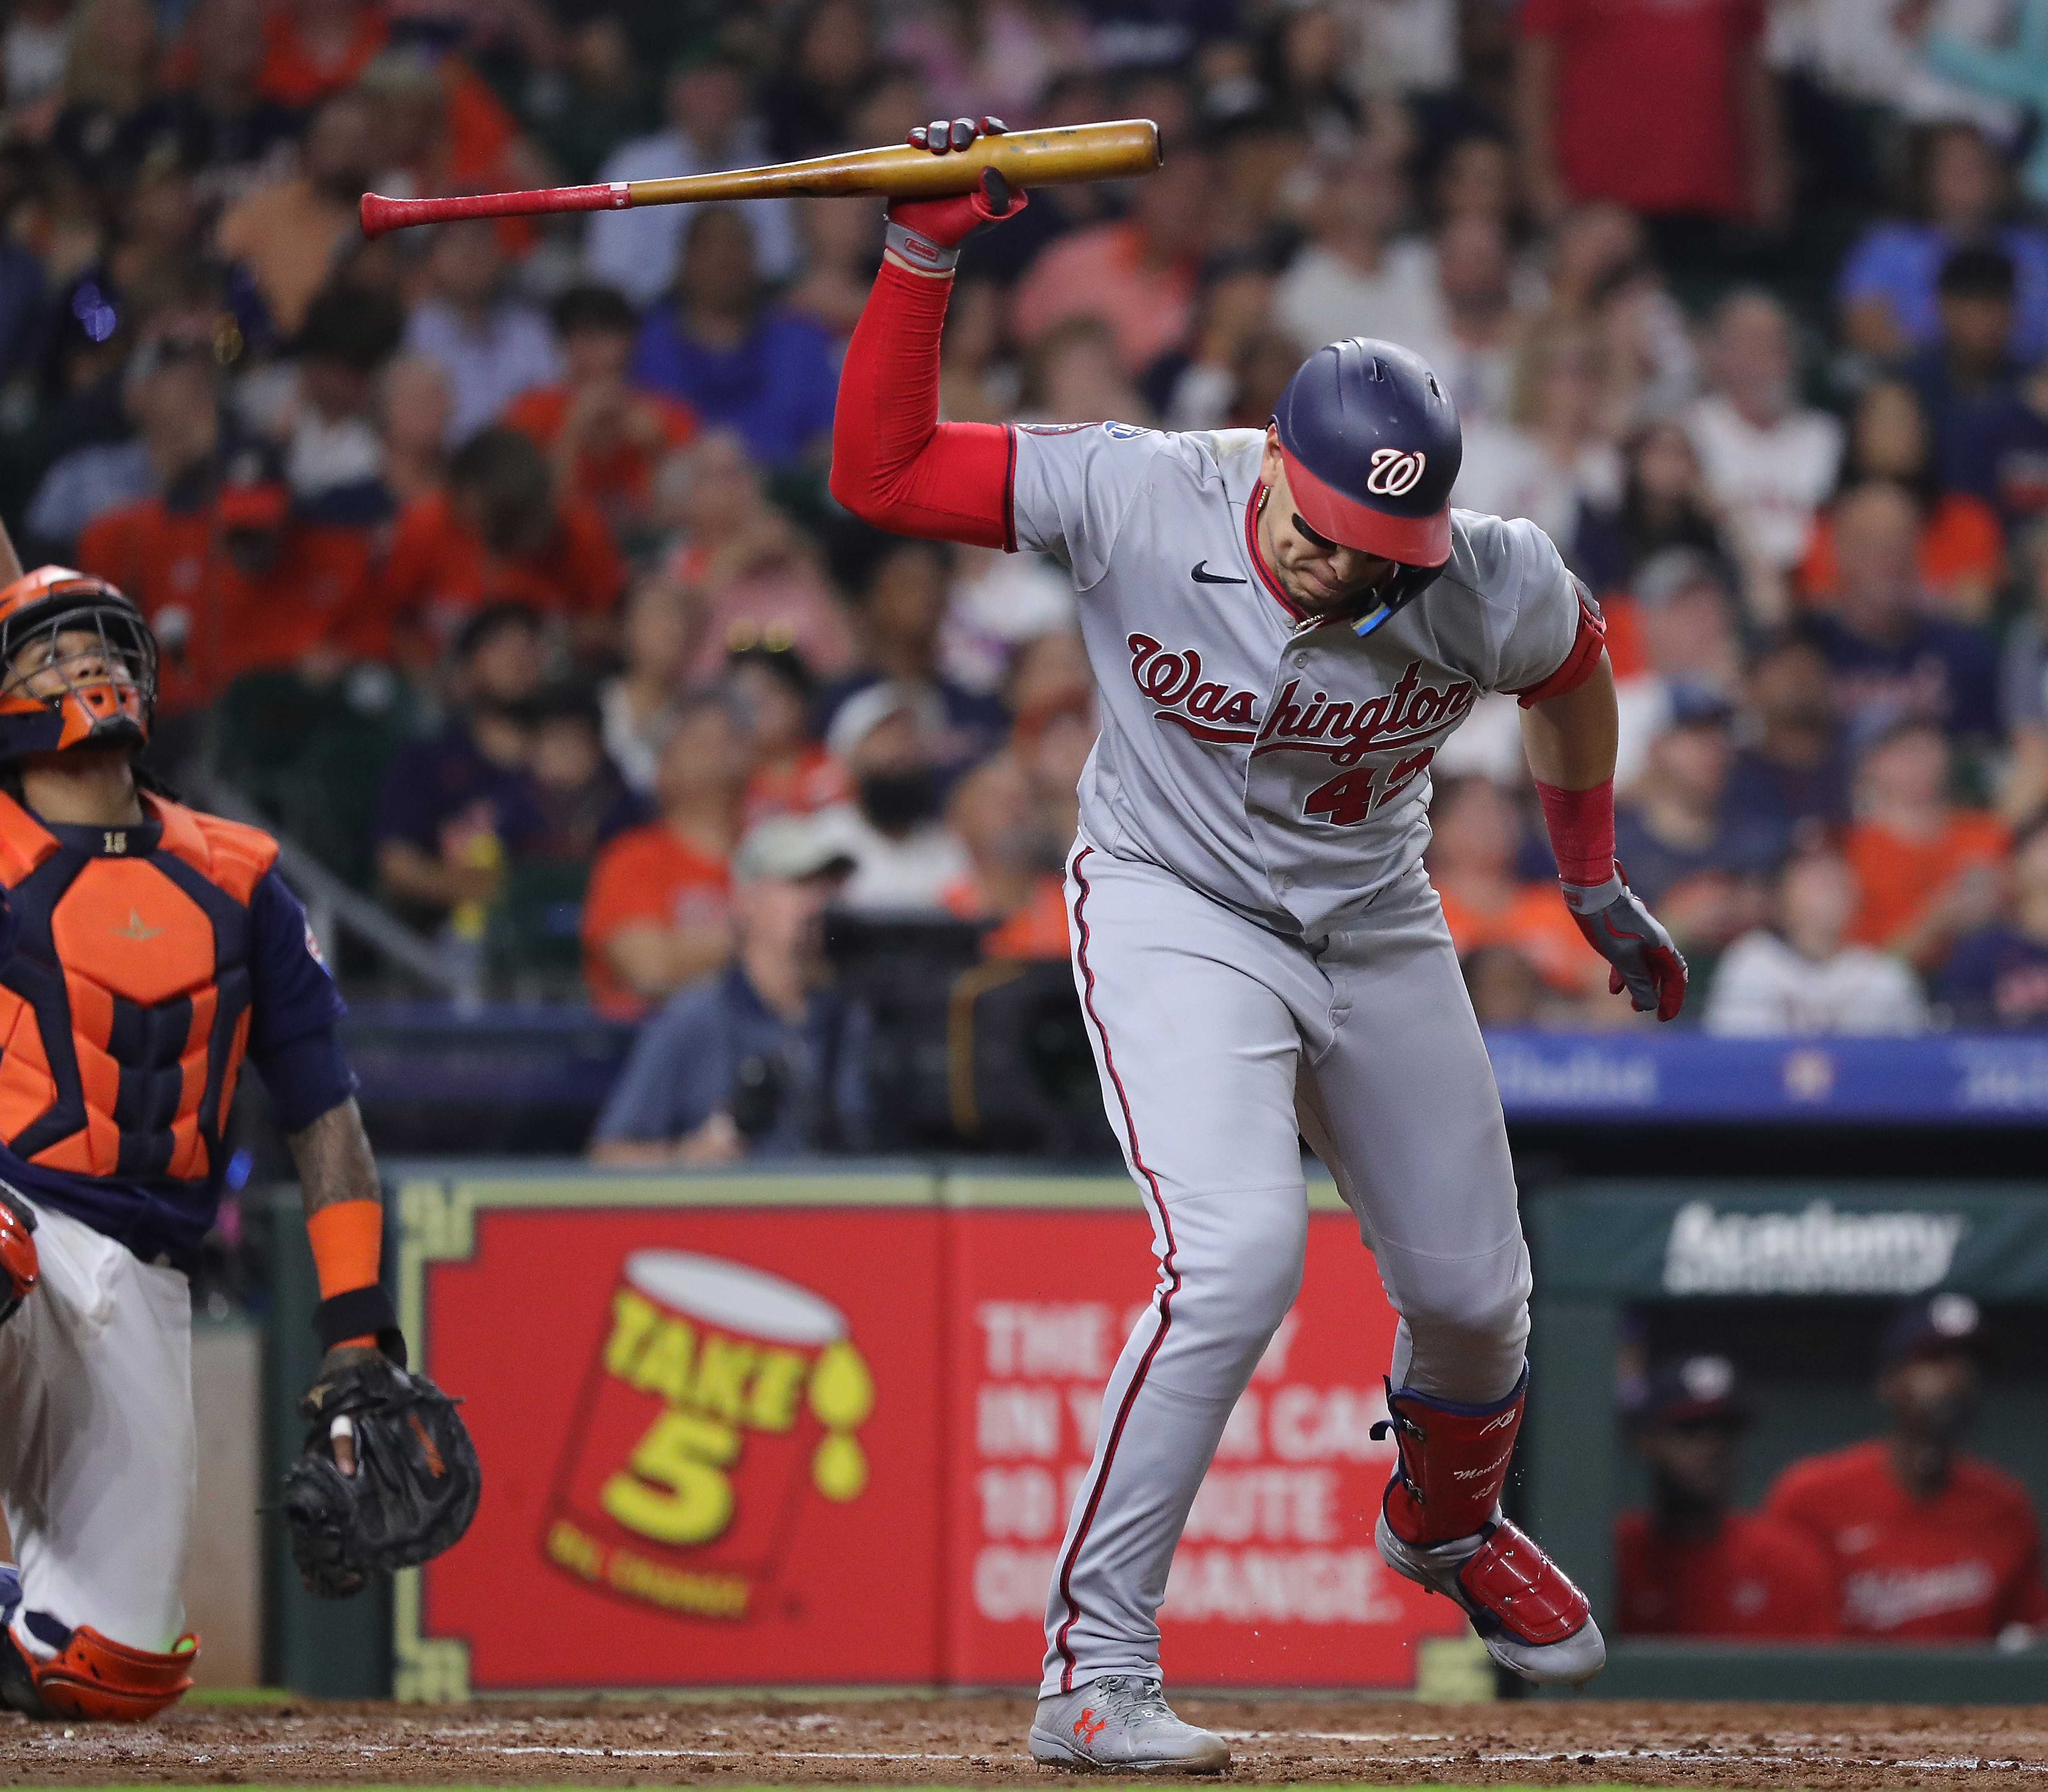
x: 1961, y: 547
x: 288, y: 236
x: 1692, y: 1565
x: 655, y: 917
x: 1137, y: 275
x: 604, y: 437
x: 497, y: 533
x: 1474, y: 834
x: 793, y: 774
x: 1930, y: 869
x: 232, y: 582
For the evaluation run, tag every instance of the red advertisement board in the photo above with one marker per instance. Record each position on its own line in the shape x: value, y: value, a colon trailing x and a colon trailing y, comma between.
x: 711, y: 1446
x: 765, y: 1430
x: 1276, y: 1582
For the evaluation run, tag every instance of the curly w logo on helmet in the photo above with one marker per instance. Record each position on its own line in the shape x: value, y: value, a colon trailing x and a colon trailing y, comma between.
x: 1395, y: 472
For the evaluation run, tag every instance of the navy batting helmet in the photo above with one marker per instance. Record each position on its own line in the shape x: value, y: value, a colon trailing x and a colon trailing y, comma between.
x: 1372, y: 444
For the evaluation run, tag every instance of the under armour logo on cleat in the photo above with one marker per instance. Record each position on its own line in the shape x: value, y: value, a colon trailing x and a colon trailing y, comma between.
x: 1201, y: 573
x: 1087, y: 1731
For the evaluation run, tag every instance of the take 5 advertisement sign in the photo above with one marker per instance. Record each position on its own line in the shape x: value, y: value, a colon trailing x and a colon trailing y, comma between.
x: 816, y: 1430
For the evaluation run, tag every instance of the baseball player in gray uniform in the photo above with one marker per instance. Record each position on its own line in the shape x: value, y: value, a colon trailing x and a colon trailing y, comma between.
x: 1285, y: 627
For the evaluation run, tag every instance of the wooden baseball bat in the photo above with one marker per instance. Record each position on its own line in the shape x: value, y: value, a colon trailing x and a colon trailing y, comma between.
x: 1025, y: 159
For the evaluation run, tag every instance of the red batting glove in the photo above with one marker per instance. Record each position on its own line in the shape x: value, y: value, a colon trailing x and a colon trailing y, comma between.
x: 1644, y: 960
x: 928, y: 233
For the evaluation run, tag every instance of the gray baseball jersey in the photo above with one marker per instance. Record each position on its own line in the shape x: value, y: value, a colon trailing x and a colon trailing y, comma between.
x: 1280, y: 766
x: 1260, y: 958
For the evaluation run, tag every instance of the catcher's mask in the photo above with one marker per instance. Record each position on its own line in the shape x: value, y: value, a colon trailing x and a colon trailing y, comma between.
x: 78, y: 665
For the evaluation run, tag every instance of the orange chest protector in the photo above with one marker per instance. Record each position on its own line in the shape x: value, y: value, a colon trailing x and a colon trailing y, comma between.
x: 124, y: 1010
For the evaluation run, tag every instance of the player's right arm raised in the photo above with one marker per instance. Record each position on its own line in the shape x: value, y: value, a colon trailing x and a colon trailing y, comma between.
x: 895, y: 464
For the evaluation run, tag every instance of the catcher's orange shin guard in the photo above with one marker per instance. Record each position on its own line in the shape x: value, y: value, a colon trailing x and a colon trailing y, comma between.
x: 94, y: 1678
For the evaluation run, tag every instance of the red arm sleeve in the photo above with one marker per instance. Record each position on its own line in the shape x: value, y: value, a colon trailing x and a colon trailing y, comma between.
x: 895, y: 464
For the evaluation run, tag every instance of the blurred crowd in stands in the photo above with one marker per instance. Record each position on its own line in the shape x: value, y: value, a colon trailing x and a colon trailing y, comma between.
x: 495, y: 563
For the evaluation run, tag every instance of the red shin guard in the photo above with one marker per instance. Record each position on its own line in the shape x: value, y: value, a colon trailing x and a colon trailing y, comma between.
x: 1453, y: 1463
x: 97, y: 1679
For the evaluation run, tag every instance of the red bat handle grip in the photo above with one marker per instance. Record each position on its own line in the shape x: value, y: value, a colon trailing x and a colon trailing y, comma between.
x: 380, y: 213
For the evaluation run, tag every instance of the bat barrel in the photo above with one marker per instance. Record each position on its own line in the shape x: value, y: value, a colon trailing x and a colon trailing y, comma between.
x: 380, y: 213
x: 1056, y: 156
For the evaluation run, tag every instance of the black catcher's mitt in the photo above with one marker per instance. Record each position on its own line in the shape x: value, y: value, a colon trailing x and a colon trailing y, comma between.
x: 415, y: 1486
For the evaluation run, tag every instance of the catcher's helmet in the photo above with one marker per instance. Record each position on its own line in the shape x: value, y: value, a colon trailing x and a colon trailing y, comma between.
x: 78, y: 665
x: 1371, y: 443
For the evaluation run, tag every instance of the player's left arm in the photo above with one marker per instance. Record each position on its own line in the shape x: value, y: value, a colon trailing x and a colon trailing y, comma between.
x: 1568, y: 731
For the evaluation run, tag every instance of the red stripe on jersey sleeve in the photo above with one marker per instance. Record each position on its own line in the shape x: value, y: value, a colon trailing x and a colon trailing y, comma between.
x: 1579, y: 664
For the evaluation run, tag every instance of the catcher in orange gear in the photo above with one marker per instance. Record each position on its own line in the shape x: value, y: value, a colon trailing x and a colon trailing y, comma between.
x: 156, y: 950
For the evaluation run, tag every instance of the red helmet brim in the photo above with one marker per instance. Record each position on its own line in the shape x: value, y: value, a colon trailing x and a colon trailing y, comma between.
x: 1415, y: 541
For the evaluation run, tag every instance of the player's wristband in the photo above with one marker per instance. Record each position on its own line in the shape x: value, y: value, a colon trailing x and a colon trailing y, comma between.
x: 364, y: 1317
x: 1583, y: 899
x: 1580, y: 823
x: 921, y: 252
x: 347, y: 1241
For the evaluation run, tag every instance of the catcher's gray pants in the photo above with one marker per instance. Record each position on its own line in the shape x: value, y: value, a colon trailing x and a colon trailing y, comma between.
x: 1219, y: 1045
x: 98, y: 1461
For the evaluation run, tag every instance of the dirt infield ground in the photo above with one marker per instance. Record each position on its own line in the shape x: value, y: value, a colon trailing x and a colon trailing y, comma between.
x: 979, y: 1742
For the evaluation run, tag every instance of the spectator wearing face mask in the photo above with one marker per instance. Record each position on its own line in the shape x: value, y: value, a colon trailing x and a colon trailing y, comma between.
x: 905, y: 857
x: 1929, y: 1543
x: 903, y: 591
x: 1801, y: 976
x: 1997, y: 977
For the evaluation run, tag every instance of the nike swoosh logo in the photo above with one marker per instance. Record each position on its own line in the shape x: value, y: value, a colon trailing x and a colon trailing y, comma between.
x: 1202, y: 575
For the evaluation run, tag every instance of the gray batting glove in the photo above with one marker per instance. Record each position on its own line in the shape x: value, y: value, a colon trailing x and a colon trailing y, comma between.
x: 1633, y: 942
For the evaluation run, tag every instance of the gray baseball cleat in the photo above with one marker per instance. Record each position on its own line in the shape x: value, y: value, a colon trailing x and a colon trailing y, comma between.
x: 1121, y: 1723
